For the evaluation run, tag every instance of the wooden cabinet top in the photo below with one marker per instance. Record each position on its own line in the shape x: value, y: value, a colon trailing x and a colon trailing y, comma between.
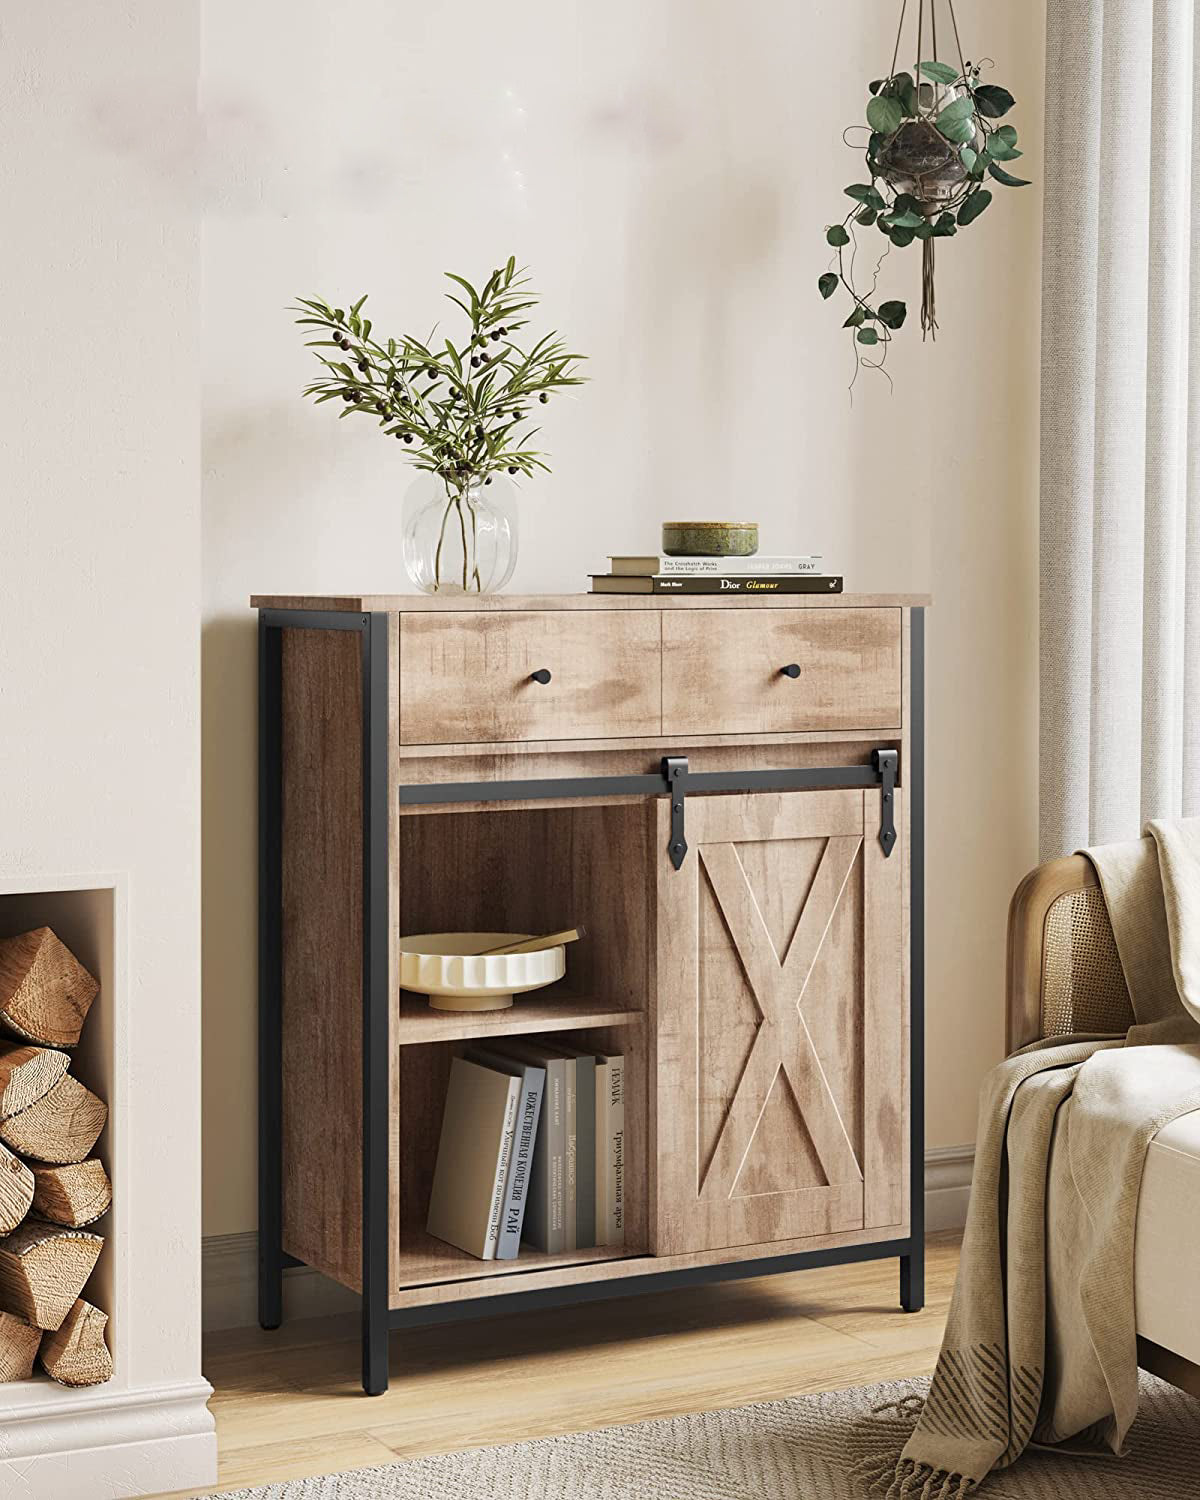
x: 413, y: 603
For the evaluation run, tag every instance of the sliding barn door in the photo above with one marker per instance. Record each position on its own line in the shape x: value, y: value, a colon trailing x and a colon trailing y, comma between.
x: 781, y: 1032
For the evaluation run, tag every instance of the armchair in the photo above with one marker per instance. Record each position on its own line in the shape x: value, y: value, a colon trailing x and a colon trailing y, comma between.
x: 1064, y: 975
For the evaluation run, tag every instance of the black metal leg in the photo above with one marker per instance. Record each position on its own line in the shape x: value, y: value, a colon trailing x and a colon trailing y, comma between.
x: 376, y: 812
x: 270, y: 925
x: 912, y: 1279
x: 912, y: 1266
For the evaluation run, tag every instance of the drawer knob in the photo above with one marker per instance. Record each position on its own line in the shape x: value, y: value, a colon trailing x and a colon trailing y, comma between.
x: 542, y: 675
x: 791, y: 670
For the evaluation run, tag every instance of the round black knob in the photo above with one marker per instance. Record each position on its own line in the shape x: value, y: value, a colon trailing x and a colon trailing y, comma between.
x: 791, y: 670
x: 542, y: 675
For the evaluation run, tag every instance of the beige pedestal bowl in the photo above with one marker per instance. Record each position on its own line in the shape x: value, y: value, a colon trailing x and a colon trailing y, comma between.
x: 449, y: 968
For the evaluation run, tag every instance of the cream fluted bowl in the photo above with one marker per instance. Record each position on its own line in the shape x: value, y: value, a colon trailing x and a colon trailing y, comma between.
x: 448, y: 967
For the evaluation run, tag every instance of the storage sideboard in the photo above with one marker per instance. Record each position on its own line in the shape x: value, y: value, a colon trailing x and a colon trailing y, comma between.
x: 729, y: 794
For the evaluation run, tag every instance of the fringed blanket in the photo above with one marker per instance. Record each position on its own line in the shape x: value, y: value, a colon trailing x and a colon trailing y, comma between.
x: 1040, y: 1345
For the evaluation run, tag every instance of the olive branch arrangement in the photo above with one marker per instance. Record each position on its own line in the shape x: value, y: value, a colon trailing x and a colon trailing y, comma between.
x: 933, y: 142
x: 462, y: 409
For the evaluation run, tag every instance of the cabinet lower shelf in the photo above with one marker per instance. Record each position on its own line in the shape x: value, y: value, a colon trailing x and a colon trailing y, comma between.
x: 433, y: 1274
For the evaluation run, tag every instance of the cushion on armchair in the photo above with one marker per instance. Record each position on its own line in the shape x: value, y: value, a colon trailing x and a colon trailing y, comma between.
x: 1168, y: 1232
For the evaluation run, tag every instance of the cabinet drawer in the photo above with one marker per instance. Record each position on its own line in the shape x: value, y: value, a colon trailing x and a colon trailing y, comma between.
x: 467, y: 678
x: 723, y: 671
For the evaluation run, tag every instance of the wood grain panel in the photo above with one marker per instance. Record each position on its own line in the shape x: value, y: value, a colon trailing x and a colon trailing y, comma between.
x: 322, y: 951
x: 885, y: 1023
x: 778, y: 944
x: 724, y: 673
x: 468, y: 677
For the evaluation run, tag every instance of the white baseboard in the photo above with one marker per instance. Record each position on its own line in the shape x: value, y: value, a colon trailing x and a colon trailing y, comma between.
x: 947, y: 1186
x: 229, y: 1279
x: 97, y: 1444
x: 230, y: 1261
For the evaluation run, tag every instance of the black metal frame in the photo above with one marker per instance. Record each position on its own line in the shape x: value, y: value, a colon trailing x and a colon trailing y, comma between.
x: 674, y: 779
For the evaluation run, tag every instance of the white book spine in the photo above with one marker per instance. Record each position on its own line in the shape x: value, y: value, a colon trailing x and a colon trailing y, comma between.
x: 750, y: 567
x: 504, y: 1156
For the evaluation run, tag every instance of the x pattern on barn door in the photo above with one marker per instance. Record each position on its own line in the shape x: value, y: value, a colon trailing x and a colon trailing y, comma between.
x: 782, y: 1050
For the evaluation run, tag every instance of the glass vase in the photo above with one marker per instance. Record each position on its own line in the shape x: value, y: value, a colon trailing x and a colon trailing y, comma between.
x: 460, y: 538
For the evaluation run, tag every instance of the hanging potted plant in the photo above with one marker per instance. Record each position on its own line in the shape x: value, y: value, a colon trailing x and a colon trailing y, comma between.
x: 935, y: 142
x: 462, y: 411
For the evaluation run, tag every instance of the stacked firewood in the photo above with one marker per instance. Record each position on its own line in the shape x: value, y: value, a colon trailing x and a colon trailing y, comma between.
x: 51, y: 1186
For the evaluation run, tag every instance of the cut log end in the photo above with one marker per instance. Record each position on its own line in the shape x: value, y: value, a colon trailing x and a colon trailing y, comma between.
x: 45, y: 992
x: 27, y: 1074
x: 16, y: 1190
x: 76, y: 1354
x: 43, y: 1269
x: 19, y: 1342
x: 60, y: 1128
x: 73, y: 1195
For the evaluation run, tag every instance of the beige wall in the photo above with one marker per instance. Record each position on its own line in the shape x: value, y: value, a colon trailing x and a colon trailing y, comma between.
x: 100, y: 668
x: 667, y: 170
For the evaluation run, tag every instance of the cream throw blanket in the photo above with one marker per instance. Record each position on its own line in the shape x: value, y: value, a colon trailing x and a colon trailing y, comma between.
x: 1040, y: 1344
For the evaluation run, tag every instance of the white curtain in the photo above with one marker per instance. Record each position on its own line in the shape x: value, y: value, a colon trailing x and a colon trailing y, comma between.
x: 1120, y: 498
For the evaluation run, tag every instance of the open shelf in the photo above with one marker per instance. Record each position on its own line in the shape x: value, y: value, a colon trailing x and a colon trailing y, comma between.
x: 546, y: 1011
x: 520, y: 870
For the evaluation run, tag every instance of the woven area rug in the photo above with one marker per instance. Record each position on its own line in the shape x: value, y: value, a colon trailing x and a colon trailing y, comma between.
x: 802, y: 1449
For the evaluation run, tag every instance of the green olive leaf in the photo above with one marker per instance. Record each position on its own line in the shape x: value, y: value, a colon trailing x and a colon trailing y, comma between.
x: 940, y: 72
x: 867, y: 336
x: 837, y: 236
x: 827, y: 285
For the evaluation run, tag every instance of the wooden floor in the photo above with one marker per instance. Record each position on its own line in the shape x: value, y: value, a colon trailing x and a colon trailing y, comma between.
x: 289, y: 1404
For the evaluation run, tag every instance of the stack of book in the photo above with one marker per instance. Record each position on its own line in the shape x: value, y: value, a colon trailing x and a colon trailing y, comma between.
x: 716, y: 575
x: 532, y: 1149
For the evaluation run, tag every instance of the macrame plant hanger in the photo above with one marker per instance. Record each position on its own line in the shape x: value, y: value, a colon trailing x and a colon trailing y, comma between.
x: 934, y: 151
x: 925, y: 189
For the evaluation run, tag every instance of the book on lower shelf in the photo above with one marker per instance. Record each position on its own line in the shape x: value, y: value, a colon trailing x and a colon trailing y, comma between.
x: 469, y: 1179
x: 531, y: 1150
x: 529, y: 1110
x: 610, y: 1149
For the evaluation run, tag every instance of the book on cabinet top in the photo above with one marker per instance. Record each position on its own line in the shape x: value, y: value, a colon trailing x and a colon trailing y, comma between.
x: 633, y: 564
x: 717, y: 583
